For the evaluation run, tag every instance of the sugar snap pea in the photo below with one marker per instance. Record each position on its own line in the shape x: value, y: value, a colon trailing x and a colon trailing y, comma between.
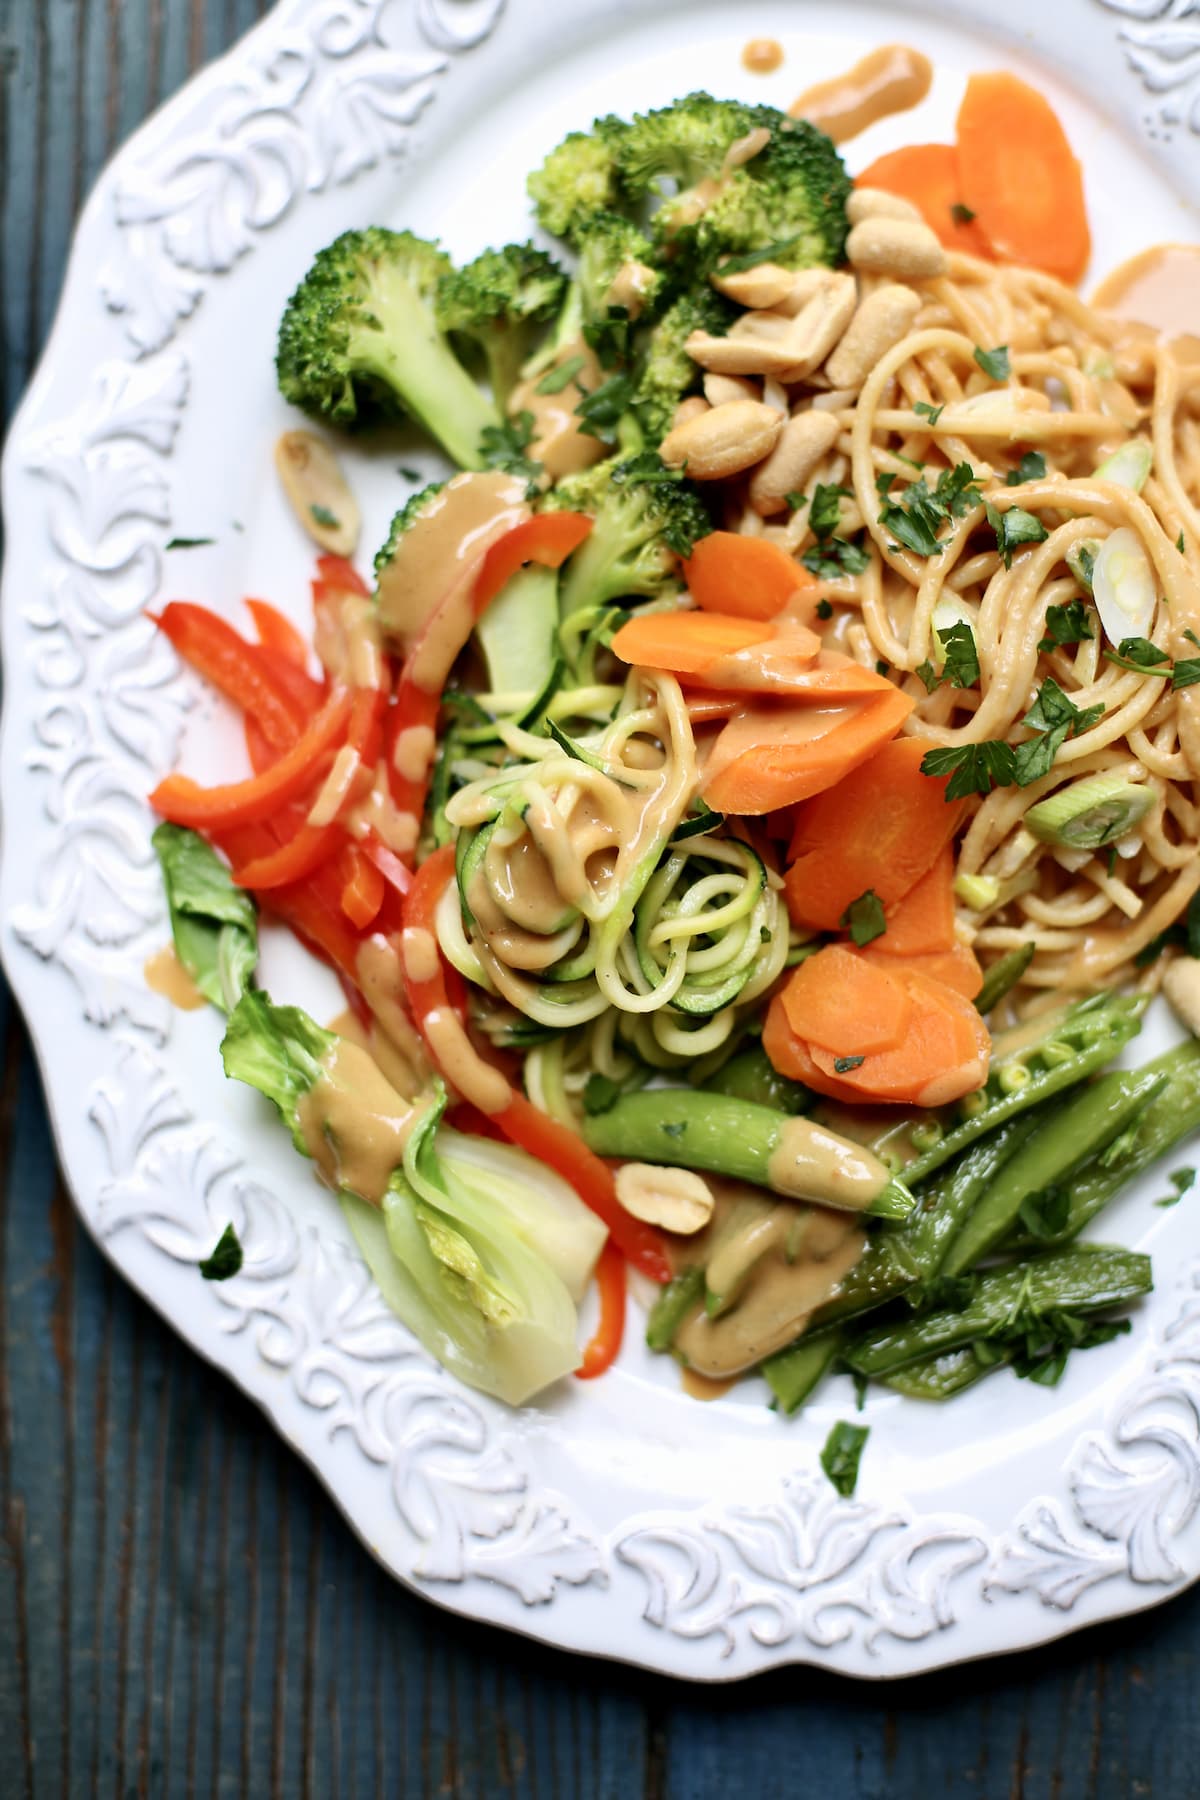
x: 1092, y: 1117
x: 1080, y: 1278
x: 792, y: 1374
x: 1003, y: 975
x: 948, y: 1373
x: 750, y: 1075
x: 672, y: 1308
x: 948, y: 1199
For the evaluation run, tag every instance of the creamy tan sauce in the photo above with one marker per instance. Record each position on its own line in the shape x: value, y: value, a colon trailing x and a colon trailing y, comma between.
x: 762, y: 56
x: 378, y: 812
x: 438, y: 558
x: 462, y: 1064
x: 1158, y: 290
x: 381, y: 984
x: 773, y: 1263
x: 337, y: 787
x: 557, y: 442
x: 890, y: 80
x: 812, y: 1163
x: 354, y: 1123
x: 702, y: 1387
x: 166, y: 975
x: 347, y: 640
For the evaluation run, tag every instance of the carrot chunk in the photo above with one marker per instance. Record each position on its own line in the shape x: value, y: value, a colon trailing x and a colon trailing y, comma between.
x: 843, y: 1003
x: 928, y: 175
x: 686, y: 643
x: 767, y: 758
x: 1021, y: 177
x: 882, y: 827
x: 923, y: 921
x: 944, y: 1054
x: 748, y: 578
x: 958, y: 967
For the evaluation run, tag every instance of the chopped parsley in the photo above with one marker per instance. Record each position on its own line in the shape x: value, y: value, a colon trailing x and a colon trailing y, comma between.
x: 841, y: 1456
x: 675, y: 1128
x: 600, y: 1092
x: 978, y: 768
x: 504, y: 446
x: 1045, y: 1215
x: 831, y: 557
x: 599, y: 412
x: 795, y: 500
x: 972, y: 768
x: 994, y: 363
x: 323, y: 516
x: 824, y: 610
x: 864, y: 918
x: 1013, y: 528
x: 962, y: 215
x: 181, y: 543
x: 555, y: 380
x: 1181, y: 1181
x: 225, y: 1260
x: 612, y: 336
x: 960, y: 665
x: 1032, y: 467
x: 916, y: 516
x: 843, y: 1064
x: 1185, y: 936
x: 1069, y: 624
x: 924, y: 411
x: 408, y: 474
x: 1181, y: 545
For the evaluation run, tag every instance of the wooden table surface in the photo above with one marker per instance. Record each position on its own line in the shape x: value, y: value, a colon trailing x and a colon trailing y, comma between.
x: 182, y: 1611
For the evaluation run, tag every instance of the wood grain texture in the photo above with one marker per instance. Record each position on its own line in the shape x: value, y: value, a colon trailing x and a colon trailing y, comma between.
x: 182, y: 1611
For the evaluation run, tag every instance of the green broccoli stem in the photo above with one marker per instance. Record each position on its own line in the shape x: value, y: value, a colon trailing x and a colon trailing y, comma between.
x: 714, y: 1132
x: 1172, y: 1114
x: 1091, y: 1119
x: 409, y: 354
x: 1081, y: 1278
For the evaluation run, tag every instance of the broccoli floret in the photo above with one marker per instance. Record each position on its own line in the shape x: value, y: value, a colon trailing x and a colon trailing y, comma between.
x: 501, y: 301
x: 359, y: 342
x: 790, y: 198
x: 402, y: 521
x: 579, y: 179
x: 613, y: 251
x: 686, y: 142
x: 666, y: 372
x: 646, y: 518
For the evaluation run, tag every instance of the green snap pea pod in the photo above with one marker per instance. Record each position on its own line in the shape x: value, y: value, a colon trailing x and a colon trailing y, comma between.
x: 1092, y: 1118
x: 792, y: 1374
x: 737, y: 1138
x: 1170, y: 1115
x: 1067, y: 1049
x: 1080, y: 1278
x: 750, y: 1075
x: 1003, y: 975
x: 946, y: 1201
x: 941, y: 1377
x: 884, y: 1271
x: 672, y: 1308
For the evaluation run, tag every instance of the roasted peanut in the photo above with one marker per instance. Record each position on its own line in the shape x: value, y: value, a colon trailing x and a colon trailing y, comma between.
x: 760, y: 343
x: 877, y: 203
x: 719, y: 390
x: 890, y: 246
x: 821, y: 323
x: 764, y: 285
x: 724, y: 441
x: 804, y: 440
x: 805, y: 283
x: 694, y: 407
x: 318, y: 492
x: 881, y: 320
x: 676, y: 1200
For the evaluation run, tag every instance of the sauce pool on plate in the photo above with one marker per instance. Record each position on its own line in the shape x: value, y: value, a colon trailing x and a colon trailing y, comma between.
x: 890, y: 80
x: 166, y: 975
x: 1158, y: 289
x: 762, y: 56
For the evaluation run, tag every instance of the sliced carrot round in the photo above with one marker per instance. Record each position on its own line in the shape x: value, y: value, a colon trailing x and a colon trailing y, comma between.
x: 958, y: 967
x: 768, y: 758
x: 791, y: 1056
x: 686, y: 643
x: 1021, y: 178
x: 748, y: 578
x: 928, y: 175
x: 944, y: 1054
x: 845, y: 1004
x: 922, y: 923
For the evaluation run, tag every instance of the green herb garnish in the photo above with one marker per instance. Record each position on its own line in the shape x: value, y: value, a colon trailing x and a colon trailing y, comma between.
x: 182, y: 543
x: 923, y: 409
x: 1013, y: 528
x: 225, y: 1260
x: 555, y: 380
x: 1032, y: 467
x: 322, y: 516
x: 994, y: 363
x: 841, y: 1456
x: 864, y: 918
x: 962, y: 215
x: 1069, y: 624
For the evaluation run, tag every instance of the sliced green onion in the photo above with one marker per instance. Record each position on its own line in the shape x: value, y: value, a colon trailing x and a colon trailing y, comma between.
x: 977, y: 891
x: 1087, y: 814
x: 1124, y: 587
x: 1128, y: 467
x: 1081, y: 560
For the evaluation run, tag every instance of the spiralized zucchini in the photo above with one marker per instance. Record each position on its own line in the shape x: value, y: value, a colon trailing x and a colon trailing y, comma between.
x: 585, y: 890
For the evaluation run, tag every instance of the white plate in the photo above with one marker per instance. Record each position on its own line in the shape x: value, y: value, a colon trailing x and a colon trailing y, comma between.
x: 620, y: 1517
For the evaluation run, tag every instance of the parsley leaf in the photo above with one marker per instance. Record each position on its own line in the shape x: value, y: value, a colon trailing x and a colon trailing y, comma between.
x: 972, y: 768
x: 864, y: 918
x: 504, y: 446
x: 1180, y: 545
x: 994, y: 363
x: 180, y: 543
x: 225, y: 1260
x: 322, y: 516
x: 834, y: 558
x: 1032, y: 467
x: 826, y: 508
x: 929, y: 676
x: 599, y: 411
x: 611, y: 337
x: 824, y: 610
x: 555, y: 380
x: 1181, y: 1181
x: 1069, y: 624
x: 1045, y: 1215
x: 843, y: 1064
x: 961, y: 656
x: 841, y: 1456
x: 600, y: 1092
x: 916, y: 517
x: 1140, y: 655
x: 962, y: 215
x: 1186, y: 673
x: 923, y: 410
x: 1014, y: 527
x: 1035, y: 758
x: 1186, y: 936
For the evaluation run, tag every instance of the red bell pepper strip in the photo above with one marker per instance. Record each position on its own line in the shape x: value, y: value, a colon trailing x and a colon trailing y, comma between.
x: 237, y: 668
x: 303, y: 907
x: 601, y: 1349
x: 364, y: 888
x: 547, y: 538
x: 521, y: 1122
x: 341, y: 576
x: 315, y: 844
x: 185, y: 802
x: 276, y: 632
x: 398, y: 875
x: 306, y: 693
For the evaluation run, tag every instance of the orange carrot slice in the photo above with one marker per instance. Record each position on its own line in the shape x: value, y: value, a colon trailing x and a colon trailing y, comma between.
x: 686, y: 643
x: 882, y: 827
x: 749, y: 578
x: 958, y: 967
x: 923, y: 922
x: 928, y: 175
x: 1021, y: 177
x: 944, y: 1054
x: 768, y: 757
x: 792, y: 1057
x: 845, y: 1004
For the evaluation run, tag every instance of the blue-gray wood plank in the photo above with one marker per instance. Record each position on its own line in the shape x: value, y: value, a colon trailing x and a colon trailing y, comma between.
x: 181, y: 1609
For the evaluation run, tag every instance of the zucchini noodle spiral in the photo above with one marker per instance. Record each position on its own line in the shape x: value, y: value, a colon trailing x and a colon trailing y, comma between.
x: 587, y: 897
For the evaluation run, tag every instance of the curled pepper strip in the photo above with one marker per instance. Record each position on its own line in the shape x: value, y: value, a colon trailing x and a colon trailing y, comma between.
x: 186, y: 802
x: 522, y: 1123
x: 238, y: 669
x: 603, y: 1347
x: 548, y: 538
